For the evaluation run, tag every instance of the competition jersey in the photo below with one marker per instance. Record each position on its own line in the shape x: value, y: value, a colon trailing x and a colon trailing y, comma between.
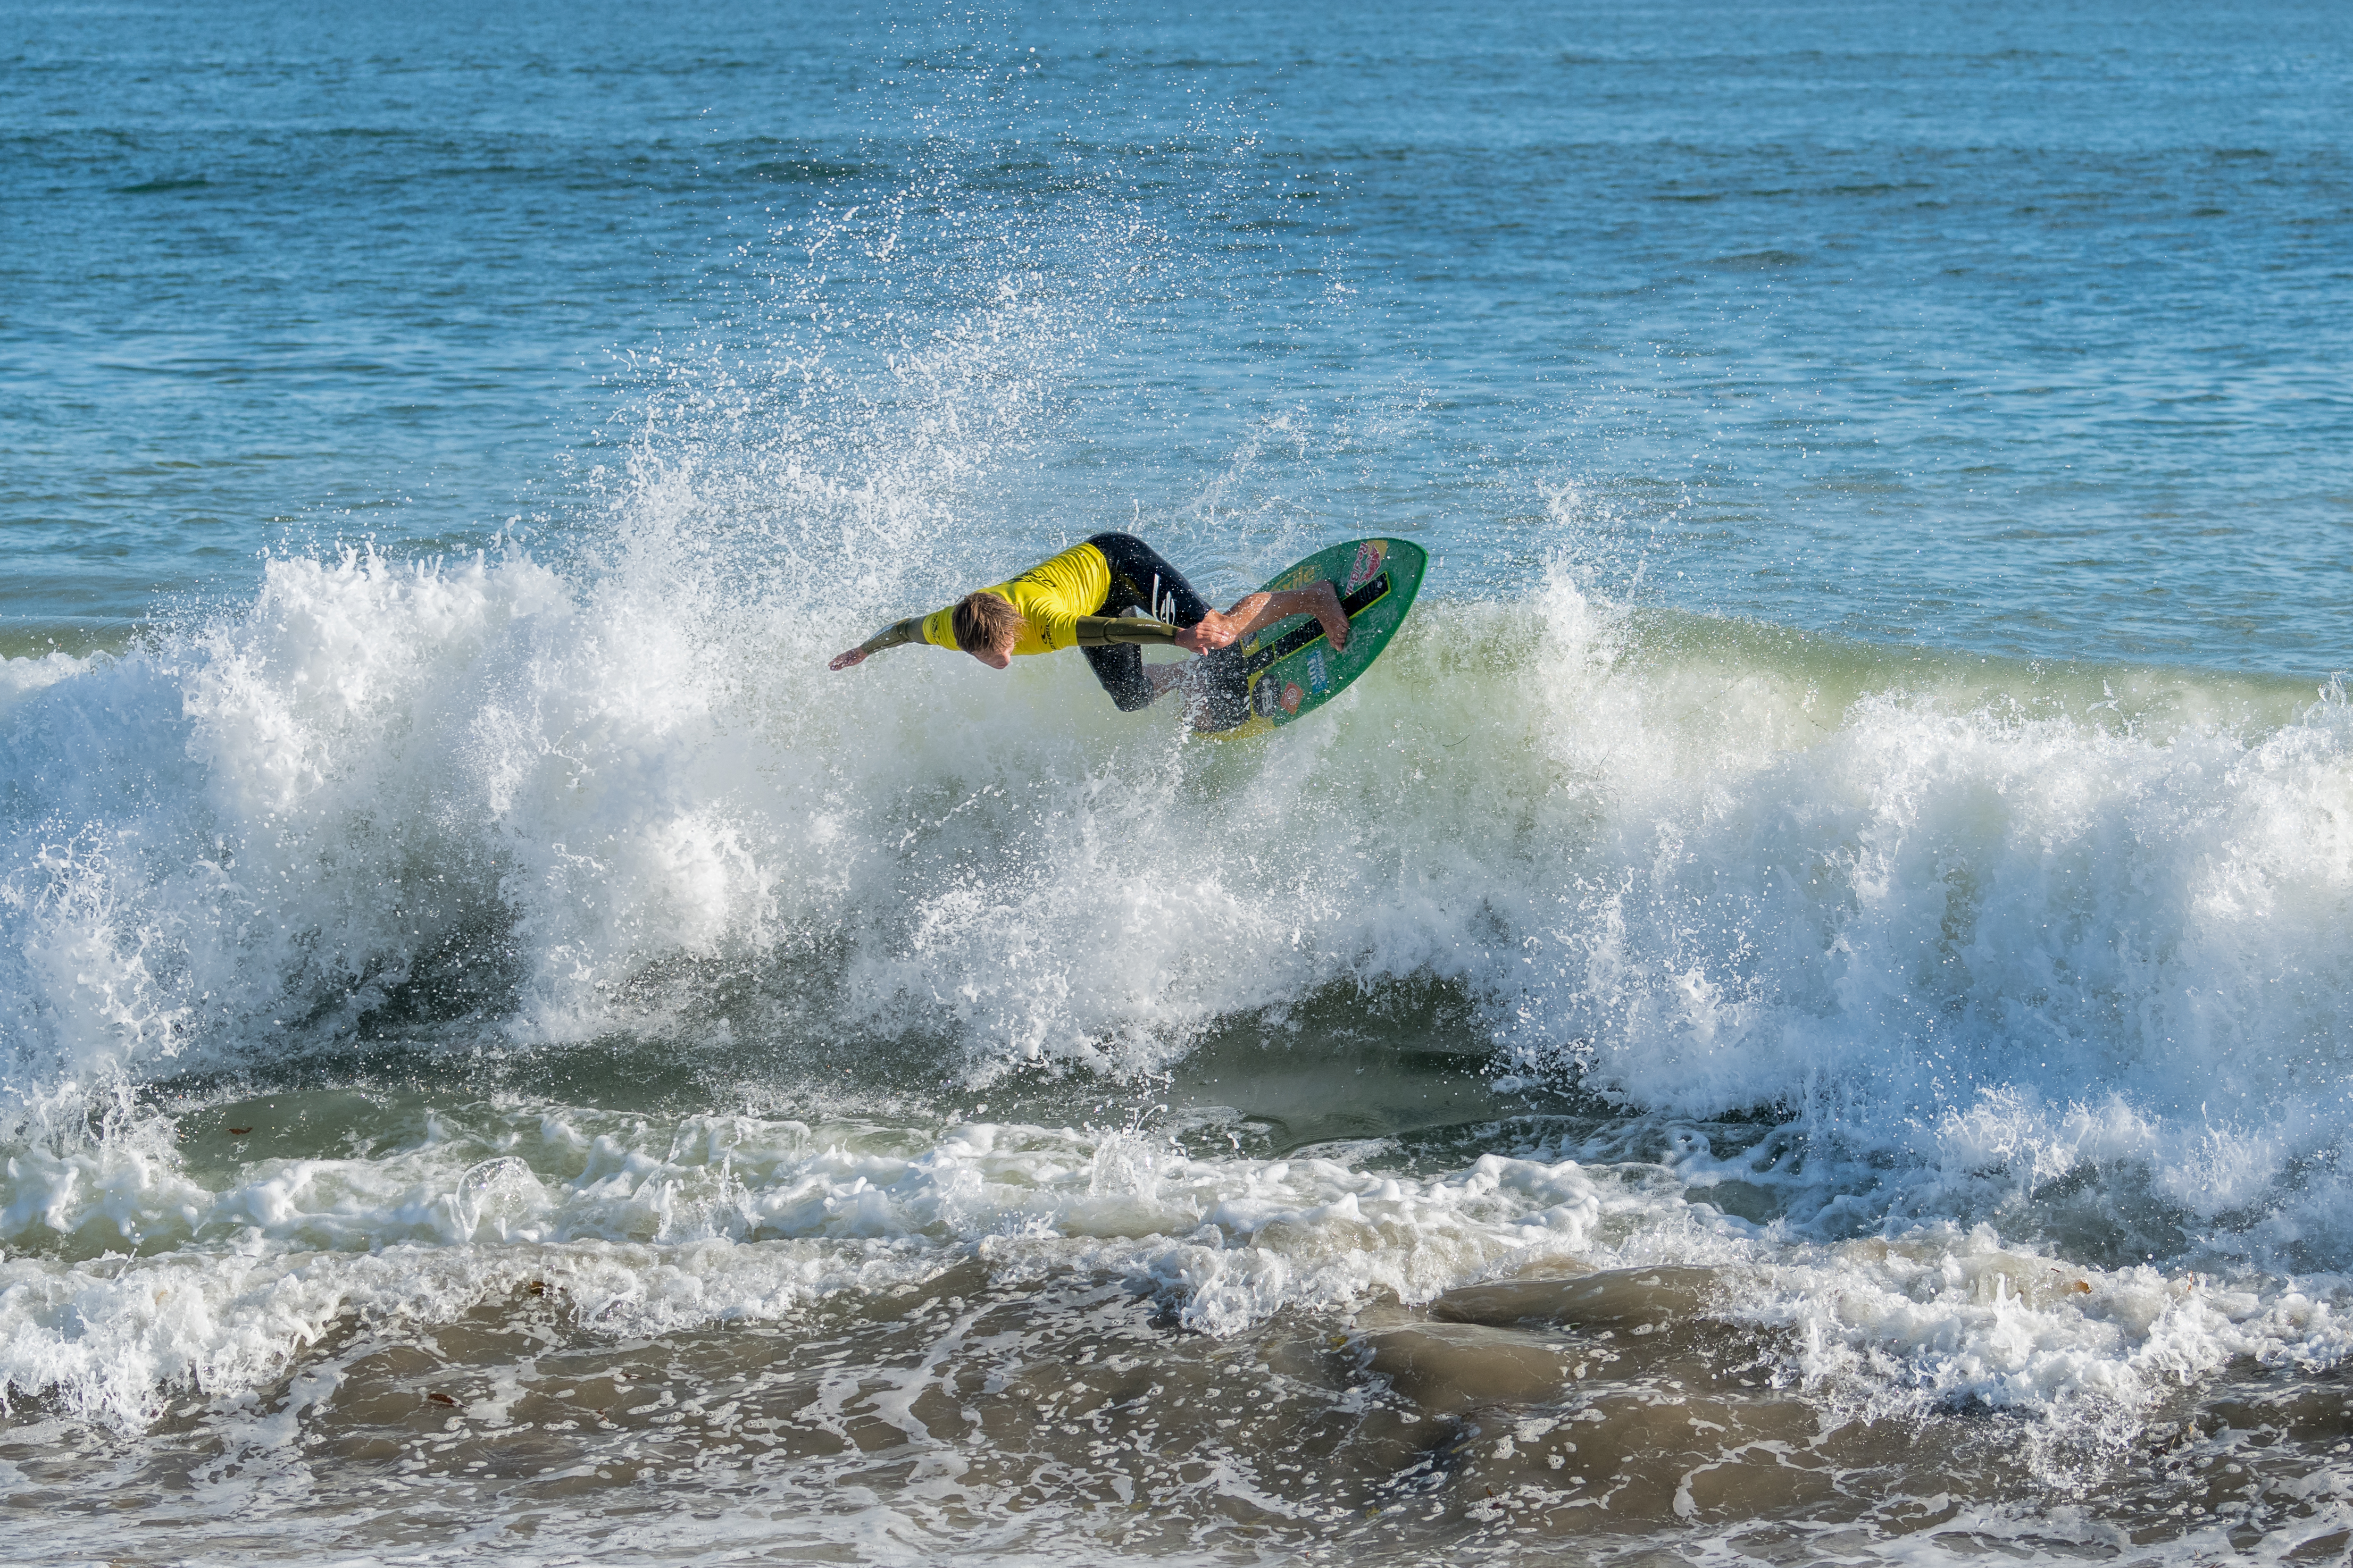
x: 1051, y: 596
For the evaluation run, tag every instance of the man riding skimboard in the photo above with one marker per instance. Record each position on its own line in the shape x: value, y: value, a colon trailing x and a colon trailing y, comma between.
x: 1080, y: 598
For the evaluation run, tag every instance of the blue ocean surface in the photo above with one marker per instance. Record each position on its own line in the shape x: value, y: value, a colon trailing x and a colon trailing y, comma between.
x: 1801, y: 1010
x: 2004, y: 328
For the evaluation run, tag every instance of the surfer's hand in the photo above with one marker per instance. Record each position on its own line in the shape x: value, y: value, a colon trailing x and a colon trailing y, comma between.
x: 1214, y: 632
x: 844, y: 661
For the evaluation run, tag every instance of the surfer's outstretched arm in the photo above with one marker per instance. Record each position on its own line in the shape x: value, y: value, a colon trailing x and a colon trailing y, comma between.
x: 1322, y: 601
x: 906, y: 631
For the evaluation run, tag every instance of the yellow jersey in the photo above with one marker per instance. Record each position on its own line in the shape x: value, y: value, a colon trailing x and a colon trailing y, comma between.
x: 1051, y: 596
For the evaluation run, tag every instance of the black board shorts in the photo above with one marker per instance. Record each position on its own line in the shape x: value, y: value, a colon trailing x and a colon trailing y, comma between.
x: 1141, y: 579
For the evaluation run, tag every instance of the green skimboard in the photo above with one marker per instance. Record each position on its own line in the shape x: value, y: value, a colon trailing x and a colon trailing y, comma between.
x: 1291, y: 668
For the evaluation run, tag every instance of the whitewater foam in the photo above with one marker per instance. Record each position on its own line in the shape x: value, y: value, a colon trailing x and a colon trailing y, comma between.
x: 645, y: 1226
x: 2025, y: 1007
x: 531, y: 796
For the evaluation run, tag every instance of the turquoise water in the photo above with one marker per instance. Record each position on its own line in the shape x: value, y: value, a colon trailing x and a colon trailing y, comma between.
x: 1801, y: 1010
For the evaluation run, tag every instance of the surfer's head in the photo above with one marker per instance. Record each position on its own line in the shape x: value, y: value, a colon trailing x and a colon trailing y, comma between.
x: 986, y: 627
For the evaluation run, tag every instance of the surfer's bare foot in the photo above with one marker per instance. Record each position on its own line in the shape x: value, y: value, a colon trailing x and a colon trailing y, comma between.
x: 1329, y: 614
x: 1264, y: 608
x: 844, y: 661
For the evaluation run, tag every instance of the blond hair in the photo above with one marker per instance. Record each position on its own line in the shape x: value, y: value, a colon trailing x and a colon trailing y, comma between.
x: 985, y: 621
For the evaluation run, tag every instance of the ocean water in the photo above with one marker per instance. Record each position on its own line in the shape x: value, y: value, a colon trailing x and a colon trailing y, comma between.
x: 1802, y: 1013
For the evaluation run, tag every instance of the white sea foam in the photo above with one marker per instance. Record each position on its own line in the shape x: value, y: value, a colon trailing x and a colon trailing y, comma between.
x: 645, y: 1227
x: 1974, y: 946
x: 1713, y: 884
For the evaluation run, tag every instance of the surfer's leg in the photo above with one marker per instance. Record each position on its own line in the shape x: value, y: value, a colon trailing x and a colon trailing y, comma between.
x: 1215, y: 688
x: 1218, y: 685
x: 1318, y: 599
x: 1142, y: 579
x: 1120, y: 667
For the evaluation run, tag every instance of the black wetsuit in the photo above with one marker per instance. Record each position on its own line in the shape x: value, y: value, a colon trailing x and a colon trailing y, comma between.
x: 1141, y: 579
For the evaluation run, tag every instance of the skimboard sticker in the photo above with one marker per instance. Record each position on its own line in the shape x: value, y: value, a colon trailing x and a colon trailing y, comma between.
x: 1290, y: 668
